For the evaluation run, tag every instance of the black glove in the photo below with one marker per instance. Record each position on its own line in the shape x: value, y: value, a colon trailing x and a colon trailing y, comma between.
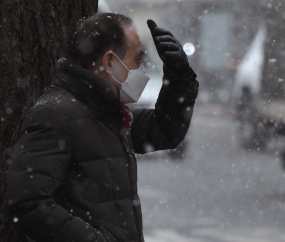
x: 169, y: 48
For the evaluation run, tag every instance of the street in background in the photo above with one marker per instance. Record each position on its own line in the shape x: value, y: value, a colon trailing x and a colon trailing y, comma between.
x: 229, y: 184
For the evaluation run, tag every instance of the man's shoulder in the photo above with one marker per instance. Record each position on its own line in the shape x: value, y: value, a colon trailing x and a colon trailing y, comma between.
x: 55, y: 109
x: 58, y: 99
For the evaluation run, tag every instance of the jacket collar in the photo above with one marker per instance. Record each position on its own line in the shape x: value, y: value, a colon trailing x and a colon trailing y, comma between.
x: 89, y: 88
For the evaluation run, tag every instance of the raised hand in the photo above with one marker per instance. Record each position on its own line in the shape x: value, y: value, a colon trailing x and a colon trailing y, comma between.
x: 169, y: 48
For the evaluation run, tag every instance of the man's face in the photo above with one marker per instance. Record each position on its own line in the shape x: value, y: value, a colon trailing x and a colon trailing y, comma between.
x: 133, y: 57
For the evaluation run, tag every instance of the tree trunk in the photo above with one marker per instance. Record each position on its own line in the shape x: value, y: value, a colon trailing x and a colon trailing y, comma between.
x: 33, y: 35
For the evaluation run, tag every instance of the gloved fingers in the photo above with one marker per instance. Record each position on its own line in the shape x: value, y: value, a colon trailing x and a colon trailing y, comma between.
x: 156, y: 31
x: 151, y: 24
x: 172, y: 55
x: 166, y: 38
x: 160, y: 31
x: 170, y: 46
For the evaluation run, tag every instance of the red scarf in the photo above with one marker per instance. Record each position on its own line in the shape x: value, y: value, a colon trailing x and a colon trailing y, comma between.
x: 127, y: 119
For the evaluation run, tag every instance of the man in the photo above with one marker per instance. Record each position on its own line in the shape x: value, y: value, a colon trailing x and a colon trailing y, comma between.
x: 73, y: 176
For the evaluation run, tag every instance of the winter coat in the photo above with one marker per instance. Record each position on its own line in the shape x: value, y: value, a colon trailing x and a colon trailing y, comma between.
x: 73, y: 176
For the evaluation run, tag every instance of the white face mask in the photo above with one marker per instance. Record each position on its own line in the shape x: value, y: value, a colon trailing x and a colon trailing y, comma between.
x: 133, y: 86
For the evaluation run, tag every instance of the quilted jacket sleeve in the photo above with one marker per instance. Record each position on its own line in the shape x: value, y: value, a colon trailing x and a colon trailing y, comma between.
x: 40, y: 159
x: 166, y: 126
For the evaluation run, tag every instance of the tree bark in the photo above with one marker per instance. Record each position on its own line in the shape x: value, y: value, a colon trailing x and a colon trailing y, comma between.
x: 33, y: 35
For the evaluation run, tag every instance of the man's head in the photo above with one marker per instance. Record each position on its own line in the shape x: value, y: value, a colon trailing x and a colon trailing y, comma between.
x: 100, y: 38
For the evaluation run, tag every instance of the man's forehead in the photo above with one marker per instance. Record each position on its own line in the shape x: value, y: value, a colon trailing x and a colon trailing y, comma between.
x: 132, y: 36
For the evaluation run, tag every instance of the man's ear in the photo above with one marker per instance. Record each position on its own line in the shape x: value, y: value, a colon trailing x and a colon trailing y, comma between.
x: 108, y: 62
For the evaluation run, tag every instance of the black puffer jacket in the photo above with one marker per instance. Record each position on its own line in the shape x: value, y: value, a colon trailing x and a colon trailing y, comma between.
x: 73, y: 176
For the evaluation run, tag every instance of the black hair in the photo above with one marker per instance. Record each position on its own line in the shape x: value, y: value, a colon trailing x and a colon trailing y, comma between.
x: 98, y: 34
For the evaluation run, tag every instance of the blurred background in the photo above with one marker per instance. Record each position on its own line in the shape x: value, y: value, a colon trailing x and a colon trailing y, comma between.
x: 226, y: 181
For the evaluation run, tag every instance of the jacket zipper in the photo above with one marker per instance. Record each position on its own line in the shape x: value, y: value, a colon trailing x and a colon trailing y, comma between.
x: 130, y: 181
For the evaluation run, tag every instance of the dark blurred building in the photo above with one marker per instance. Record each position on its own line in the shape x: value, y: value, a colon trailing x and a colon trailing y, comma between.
x: 273, y: 82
